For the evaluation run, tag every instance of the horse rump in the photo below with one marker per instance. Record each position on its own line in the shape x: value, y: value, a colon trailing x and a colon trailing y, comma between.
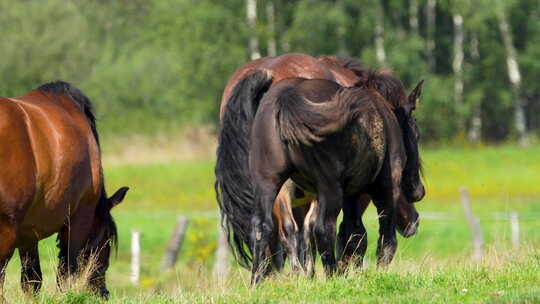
x: 304, y: 122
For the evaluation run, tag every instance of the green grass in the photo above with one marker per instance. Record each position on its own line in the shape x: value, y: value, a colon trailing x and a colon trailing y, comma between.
x: 501, y: 172
x: 434, y: 266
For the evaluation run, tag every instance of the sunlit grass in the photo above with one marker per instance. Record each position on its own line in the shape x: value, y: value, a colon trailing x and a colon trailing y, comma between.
x: 504, y: 276
x: 501, y: 172
x: 432, y: 266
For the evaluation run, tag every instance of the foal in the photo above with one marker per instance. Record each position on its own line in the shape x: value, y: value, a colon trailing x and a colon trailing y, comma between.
x: 333, y: 141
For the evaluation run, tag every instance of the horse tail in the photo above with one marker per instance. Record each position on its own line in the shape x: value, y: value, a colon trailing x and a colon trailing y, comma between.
x: 303, y: 122
x: 233, y: 184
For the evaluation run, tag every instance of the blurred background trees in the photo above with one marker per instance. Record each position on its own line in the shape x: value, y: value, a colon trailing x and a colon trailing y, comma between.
x: 158, y: 66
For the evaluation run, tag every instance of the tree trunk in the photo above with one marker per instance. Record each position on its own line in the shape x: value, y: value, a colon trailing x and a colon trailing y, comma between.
x: 430, y: 44
x: 413, y: 15
x: 379, y: 34
x: 457, y: 66
x: 271, y: 17
x: 514, y: 74
x: 252, y: 24
x: 342, y: 30
x: 475, y: 131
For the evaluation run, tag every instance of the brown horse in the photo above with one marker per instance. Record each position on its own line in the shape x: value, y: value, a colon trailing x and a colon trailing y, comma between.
x: 52, y: 181
x: 239, y: 104
x: 339, y: 143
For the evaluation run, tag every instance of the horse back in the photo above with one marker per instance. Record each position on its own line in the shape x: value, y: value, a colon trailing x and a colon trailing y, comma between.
x: 292, y: 65
x: 18, y: 178
x: 65, y: 170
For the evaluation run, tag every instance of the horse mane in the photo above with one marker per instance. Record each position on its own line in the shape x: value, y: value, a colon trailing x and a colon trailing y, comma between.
x: 58, y: 88
x: 389, y: 86
x: 351, y: 63
x: 393, y: 91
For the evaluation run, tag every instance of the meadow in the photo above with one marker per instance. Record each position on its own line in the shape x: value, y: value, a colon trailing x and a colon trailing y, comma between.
x: 433, y: 266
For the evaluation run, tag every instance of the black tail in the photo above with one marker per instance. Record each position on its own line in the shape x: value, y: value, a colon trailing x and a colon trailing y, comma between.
x: 301, y: 121
x: 233, y: 184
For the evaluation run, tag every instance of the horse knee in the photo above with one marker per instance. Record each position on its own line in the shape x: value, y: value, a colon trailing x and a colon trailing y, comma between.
x: 386, y: 251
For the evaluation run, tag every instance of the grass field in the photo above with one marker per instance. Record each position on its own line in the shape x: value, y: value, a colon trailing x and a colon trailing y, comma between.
x: 433, y: 266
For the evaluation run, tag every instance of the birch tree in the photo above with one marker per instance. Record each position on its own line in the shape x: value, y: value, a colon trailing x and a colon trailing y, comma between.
x: 457, y: 65
x: 271, y: 19
x: 514, y: 75
x: 379, y: 33
x: 342, y: 29
x: 413, y: 15
x: 475, y: 130
x: 251, y: 9
x: 430, y: 40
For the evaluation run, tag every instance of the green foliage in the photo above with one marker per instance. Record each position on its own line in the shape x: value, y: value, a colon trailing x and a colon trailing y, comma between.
x: 154, y: 66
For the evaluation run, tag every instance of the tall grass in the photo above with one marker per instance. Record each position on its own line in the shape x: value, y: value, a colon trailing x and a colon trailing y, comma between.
x: 433, y: 266
x: 505, y: 276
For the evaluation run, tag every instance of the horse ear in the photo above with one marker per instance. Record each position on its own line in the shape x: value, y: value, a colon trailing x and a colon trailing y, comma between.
x: 413, y: 97
x: 118, y: 196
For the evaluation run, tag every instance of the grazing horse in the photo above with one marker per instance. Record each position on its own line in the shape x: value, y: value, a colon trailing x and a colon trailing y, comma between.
x: 336, y: 142
x: 239, y: 104
x: 52, y: 182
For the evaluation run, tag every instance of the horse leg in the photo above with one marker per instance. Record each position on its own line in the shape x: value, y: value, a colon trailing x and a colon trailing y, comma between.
x: 71, y: 241
x: 7, y: 247
x: 276, y: 254
x: 387, y: 243
x: 31, y: 276
x: 288, y: 235
x: 263, y: 225
x: 330, y: 197
x: 352, y: 236
x: 299, y: 214
x: 309, y: 239
x: 67, y: 261
x: 276, y: 251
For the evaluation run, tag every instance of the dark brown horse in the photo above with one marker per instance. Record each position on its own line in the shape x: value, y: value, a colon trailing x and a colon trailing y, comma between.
x: 337, y: 142
x: 239, y: 104
x: 52, y: 181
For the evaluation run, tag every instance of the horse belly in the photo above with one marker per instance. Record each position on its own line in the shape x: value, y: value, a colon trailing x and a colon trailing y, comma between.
x: 41, y: 222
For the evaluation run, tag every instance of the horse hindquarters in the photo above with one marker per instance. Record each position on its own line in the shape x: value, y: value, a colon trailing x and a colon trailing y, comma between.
x: 268, y: 169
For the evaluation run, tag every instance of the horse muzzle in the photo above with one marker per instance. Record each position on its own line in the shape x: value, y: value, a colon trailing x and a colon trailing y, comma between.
x: 411, y: 228
x: 418, y: 194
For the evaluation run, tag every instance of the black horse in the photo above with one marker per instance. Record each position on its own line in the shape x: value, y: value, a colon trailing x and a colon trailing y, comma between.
x: 337, y: 142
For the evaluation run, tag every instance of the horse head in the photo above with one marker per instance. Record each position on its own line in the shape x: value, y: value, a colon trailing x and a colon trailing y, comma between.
x: 104, y: 236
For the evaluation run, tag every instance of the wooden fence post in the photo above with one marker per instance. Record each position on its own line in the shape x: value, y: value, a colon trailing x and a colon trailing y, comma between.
x: 175, y: 243
x: 221, y: 266
x: 474, y: 223
x: 135, y: 256
x: 514, y: 223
